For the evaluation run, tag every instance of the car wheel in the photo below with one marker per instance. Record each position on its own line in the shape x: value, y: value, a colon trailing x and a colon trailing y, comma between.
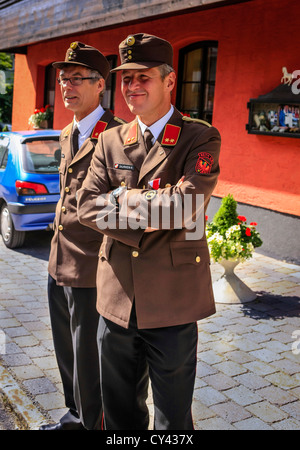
x: 11, y: 237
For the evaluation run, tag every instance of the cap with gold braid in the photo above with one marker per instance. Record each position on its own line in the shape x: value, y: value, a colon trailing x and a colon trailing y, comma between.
x: 143, y: 51
x: 84, y: 55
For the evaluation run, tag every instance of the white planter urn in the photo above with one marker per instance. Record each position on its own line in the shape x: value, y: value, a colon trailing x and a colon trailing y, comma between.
x: 229, y: 288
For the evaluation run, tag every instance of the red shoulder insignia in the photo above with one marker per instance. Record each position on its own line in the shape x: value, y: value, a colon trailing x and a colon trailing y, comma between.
x: 132, y: 135
x: 204, y: 163
x: 98, y: 129
x: 171, y: 135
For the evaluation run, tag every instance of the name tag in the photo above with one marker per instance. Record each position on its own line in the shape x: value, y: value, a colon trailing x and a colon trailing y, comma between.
x: 124, y: 167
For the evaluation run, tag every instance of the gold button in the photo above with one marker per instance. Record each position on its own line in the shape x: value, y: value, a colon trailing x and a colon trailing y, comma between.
x: 70, y: 170
x: 198, y: 259
x: 63, y: 208
x: 60, y: 227
x: 122, y: 183
x: 167, y: 185
x: 67, y: 189
x: 101, y: 253
x: 129, y: 56
x: 135, y: 254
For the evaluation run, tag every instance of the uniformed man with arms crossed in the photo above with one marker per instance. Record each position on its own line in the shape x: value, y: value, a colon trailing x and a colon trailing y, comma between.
x: 74, y: 248
x: 153, y: 282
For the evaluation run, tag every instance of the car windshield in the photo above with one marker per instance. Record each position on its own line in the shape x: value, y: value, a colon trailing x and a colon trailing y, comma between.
x: 41, y: 156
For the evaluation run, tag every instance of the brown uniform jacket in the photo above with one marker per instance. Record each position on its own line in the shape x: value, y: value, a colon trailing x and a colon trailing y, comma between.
x: 74, y: 248
x: 166, y: 274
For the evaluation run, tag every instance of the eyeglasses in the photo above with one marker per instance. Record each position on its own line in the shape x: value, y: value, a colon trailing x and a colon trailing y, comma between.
x: 75, y: 81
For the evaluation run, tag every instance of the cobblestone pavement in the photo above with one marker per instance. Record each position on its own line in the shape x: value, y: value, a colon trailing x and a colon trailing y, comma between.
x: 248, y: 373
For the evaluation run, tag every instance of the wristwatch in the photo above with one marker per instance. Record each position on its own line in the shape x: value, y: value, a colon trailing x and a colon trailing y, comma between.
x: 115, y: 194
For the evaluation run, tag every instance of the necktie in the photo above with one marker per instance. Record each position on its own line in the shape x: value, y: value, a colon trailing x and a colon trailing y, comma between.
x: 148, y: 136
x: 74, y: 140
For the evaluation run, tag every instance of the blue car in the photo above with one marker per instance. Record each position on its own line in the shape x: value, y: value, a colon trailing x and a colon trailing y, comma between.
x: 29, y: 183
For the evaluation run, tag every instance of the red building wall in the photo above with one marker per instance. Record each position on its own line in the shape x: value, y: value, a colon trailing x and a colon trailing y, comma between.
x: 256, y: 39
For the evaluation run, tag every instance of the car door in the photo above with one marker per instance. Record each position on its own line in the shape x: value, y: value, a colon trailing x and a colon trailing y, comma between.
x: 4, y: 142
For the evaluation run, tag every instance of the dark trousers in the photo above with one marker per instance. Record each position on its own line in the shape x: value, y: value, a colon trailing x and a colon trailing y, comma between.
x: 129, y: 356
x: 74, y: 322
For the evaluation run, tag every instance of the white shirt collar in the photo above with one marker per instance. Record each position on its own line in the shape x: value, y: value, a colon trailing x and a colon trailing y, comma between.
x: 87, y: 124
x: 157, y: 127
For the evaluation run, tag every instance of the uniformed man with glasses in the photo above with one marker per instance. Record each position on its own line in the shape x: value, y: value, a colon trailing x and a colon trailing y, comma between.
x: 74, y: 248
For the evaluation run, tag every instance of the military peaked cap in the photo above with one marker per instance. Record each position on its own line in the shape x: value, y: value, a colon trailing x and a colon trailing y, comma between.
x: 84, y: 55
x: 143, y: 51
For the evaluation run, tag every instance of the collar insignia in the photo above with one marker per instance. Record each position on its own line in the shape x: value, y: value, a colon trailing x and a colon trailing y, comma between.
x: 171, y: 135
x: 132, y: 135
x: 99, y: 128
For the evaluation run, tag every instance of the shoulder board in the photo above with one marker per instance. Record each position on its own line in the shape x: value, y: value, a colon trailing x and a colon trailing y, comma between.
x: 191, y: 119
x: 117, y: 119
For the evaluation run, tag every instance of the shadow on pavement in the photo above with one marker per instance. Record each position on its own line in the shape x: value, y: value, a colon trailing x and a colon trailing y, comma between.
x: 37, y: 244
x: 272, y: 306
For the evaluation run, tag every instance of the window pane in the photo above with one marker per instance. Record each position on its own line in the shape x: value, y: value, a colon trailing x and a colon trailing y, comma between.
x: 192, y: 65
x: 212, y: 64
x: 41, y: 156
x: 50, y: 79
x: 190, y: 98
x: 197, y: 80
x: 108, y: 100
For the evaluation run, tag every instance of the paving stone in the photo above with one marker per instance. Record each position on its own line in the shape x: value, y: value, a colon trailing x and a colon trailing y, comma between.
x: 293, y: 409
x: 39, y: 386
x: 204, y: 369
x: 213, y: 424
x: 230, y: 368
x: 239, y: 356
x: 27, y: 372
x: 252, y: 423
x: 251, y: 381
x: 210, y: 357
x: 276, y: 395
x: 18, y: 359
x: 265, y: 355
x: 201, y: 412
x: 267, y: 412
x: 51, y: 400
x: 220, y: 381
x: 230, y: 412
x: 283, y: 380
x: 209, y: 396
x: 243, y: 396
x: 287, y: 424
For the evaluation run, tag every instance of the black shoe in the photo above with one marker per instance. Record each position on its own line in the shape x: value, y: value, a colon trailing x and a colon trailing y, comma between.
x: 51, y: 427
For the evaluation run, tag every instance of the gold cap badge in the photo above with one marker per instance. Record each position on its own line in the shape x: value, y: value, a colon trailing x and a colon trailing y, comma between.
x: 130, y: 41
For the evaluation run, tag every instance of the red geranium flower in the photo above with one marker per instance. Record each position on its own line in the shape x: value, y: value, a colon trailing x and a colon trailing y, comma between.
x: 253, y: 224
x: 248, y: 232
x: 242, y: 218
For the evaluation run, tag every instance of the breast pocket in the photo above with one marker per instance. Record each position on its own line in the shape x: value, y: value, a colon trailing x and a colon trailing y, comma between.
x: 189, y: 253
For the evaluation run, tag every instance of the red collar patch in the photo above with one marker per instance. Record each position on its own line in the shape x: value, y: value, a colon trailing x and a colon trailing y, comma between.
x: 171, y: 135
x: 132, y: 135
x: 99, y: 128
